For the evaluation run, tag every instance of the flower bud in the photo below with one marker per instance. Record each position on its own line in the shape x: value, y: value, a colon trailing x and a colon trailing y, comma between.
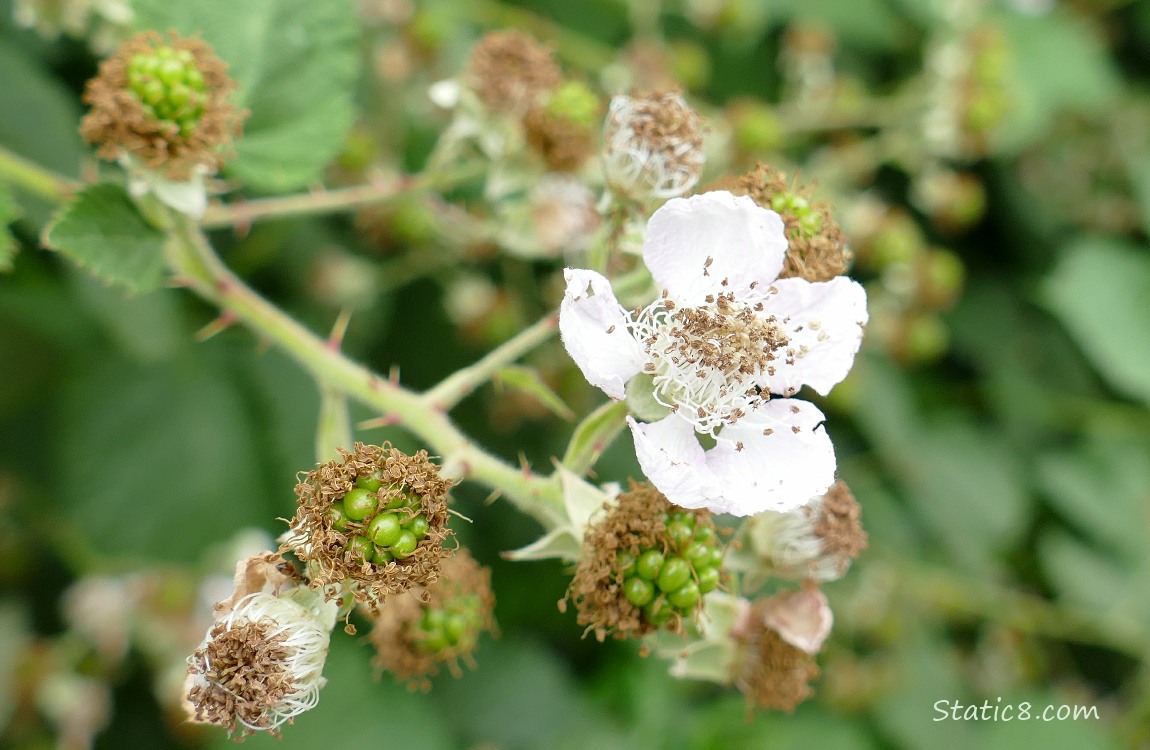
x: 652, y: 146
x: 561, y: 130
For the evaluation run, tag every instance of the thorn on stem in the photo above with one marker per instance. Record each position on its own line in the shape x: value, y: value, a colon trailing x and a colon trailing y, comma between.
x: 339, y: 330
x: 386, y: 420
x: 225, y: 320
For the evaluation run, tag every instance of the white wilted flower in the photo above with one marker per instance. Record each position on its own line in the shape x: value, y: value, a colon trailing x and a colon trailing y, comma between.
x: 261, y: 663
x: 816, y: 541
x: 652, y: 146
x: 725, y: 335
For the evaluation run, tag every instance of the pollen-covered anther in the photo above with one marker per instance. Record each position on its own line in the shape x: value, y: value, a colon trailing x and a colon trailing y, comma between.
x: 509, y: 71
x: 652, y: 145
x: 816, y: 245
x: 645, y: 566
x: 259, y: 666
x: 418, y: 632
x: 164, y: 103
x: 377, y: 519
x: 708, y: 357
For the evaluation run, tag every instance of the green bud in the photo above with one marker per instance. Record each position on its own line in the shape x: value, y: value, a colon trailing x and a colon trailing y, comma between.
x: 709, y: 579
x: 405, y: 545
x: 371, y: 484
x: 455, y: 627
x: 638, y: 591
x: 385, y: 529
x: 624, y: 561
x: 675, y: 572
x: 360, y: 548
x: 382, y: 556
x: 336, y: 517
x: 686, y: 596
x: 679, y: 533
x: 649, y: 564
x: 359, y: 504
x: 576, y: 103
x: 698, y: 554
x: 418, y: 525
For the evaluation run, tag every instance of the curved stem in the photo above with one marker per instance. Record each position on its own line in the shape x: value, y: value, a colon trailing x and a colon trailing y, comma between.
x: 30, y: 176
x: 242, y: 213
x: 196, y: 262
x: 460, y: 384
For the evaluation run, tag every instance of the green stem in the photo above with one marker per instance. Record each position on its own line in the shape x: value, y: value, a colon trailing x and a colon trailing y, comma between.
x: 193, y: 258
x: 32, y: 177
x: 460, y: 384
x: 239, y: 214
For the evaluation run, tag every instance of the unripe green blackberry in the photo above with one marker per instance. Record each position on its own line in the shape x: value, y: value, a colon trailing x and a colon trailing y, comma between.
x: 440, y: 625
x: 378, y: 518
x: 816, y: 246
x: 163, y: 102
x: 645, y: 566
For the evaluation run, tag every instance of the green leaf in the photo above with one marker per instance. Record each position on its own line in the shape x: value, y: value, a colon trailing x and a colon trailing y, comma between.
x: 296, y: 66
x: 1099, y: 291
x: 960, y: 477
x: 9, y: 212
x: 157, y: 462
x: 101, y: 230
x: 597, y: 430
x: 527, y: 380
x: 1047, y: 80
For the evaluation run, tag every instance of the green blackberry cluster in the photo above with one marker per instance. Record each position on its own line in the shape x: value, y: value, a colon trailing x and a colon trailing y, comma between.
x: 381, y: 529
x: 667, y: 582
x: 169, y: 85
x: 454, y: 627
x: 810, y: 221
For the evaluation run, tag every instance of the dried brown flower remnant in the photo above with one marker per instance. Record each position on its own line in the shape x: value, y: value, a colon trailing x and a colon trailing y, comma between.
x: 338, y: 548
x: 816, y: 246
x: 259, y: 666
x: 413, y: 638
x: 163, y: 102
x: 779, y: 637
x: 815, y: 541
x: 652, y: 145
x: 626, y: 584
x: 509, y: 71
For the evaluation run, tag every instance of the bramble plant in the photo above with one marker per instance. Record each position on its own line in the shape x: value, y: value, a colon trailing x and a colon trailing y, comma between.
x: 708, y: 365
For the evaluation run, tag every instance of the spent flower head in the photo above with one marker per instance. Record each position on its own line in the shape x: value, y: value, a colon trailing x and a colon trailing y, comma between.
x: 816, y: 541
x: 415, y: 635
x: 377, y: 519
x: 816, y: 246
x: 779, y: 638
x: 163, y: 103
x: 261, y: 662
x: 561, y: 128
x: 645, y: 565
x: 652, y: 146
x: 510, y: 72
x: 725, y: 335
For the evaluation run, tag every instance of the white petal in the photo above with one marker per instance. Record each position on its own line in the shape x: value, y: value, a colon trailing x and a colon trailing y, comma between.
x: 786, y: 458
x: 744, y: 242
x: 802, y: 618
x: 671, y: 457
x: 594, y: 329
x: 760, y: 463
x: 824, y: 323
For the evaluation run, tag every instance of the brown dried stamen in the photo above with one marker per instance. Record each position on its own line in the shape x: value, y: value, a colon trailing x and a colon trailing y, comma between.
x: 244, y: 669
x: 839, y: 524
x: 509, y: 70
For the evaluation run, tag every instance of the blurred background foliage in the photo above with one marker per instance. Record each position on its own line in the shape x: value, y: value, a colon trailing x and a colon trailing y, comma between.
x: 990, y: 162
